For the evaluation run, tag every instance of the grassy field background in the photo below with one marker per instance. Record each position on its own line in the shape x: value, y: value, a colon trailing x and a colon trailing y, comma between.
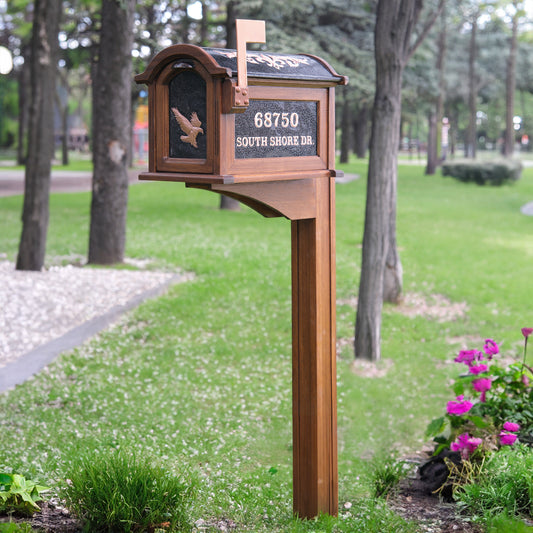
x: 201, y: 377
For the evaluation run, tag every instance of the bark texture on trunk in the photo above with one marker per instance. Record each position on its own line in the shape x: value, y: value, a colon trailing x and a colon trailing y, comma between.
x: 24, y: 94
x: 360, y: 127
x: 391, y: 25
x: 35, y: 212
x: 381, y: 269
x: 111, y: 133
x: 346, y: 130
x: 472, y: 93
x: 510, y: 86
x: 435, y: 117
x: 431, y: 165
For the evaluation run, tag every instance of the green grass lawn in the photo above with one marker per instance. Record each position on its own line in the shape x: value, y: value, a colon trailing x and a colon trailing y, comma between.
x: 77, y: 161
x: 202, y: 375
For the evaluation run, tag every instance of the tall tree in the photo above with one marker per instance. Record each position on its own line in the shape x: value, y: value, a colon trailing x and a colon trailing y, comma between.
x: 35, y: 214
x: 508, y: 144
x: 437, y: 112
x: 394, y: 26
x: 360, y: 123
x: 111, y: 133
x: 346, y: 127
x: 471, y: 136
x: 393, y: 274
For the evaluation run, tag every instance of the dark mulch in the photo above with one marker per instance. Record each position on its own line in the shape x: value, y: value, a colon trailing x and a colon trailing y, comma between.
x: 433, y: 515
x: 52, y: 518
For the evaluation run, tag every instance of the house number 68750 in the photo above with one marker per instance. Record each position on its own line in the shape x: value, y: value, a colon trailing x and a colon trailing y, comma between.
x: 269, y: 120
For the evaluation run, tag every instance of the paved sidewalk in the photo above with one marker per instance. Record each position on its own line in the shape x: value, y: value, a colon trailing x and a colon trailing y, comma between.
x: 12, y: 180
x: 65, y: 322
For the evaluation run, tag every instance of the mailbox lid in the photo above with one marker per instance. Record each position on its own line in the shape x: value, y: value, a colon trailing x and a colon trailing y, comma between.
x: 268, y: 65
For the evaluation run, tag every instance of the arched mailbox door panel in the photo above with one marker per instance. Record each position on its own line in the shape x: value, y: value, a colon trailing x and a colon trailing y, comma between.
x: 183, y: 131
x: 198, y: 134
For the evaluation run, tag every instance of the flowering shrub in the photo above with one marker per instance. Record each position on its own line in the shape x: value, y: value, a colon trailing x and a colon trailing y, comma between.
x: 493, y: 405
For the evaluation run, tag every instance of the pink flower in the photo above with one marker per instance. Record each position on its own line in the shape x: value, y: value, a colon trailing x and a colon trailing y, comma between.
x: 468, y: 356
x: 478, y: 369
x: 465, y: 444
x: 460, y: 443
x: 511, y: 426
x: 525, y: 380
x: 473, y: 444
x: 490, y: 348
x: 507, y: 439
x: 482, y: 385
x: 458, y: 407
x: 526, y: 332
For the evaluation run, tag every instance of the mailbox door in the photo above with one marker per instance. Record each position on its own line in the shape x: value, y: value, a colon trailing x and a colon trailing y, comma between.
x: 185, y: 118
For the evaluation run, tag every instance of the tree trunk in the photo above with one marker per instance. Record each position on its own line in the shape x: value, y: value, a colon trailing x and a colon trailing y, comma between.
x: 230, y: 204
x: 382, y: 172
x: 470, y: 145
x: 35, y: 212
x: 381, y: 269
x: 431, y: 166
x: 62, y: 106
x: 435, y: 117
x: 510, y: 86
x: 24, y: 93
x: 345, y: 128
x: 111, y: 133
x: 204, y: 24
x: 393, y: 274
x: 360, y: 126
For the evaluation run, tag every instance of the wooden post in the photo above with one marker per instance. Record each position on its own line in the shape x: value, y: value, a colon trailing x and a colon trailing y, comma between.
x: 310, y: 205
x: 314, y: 367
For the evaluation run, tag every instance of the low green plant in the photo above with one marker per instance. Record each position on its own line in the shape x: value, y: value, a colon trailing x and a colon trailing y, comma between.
x: 483, y: 172
x: 387, y: 474
x: 117, y: 491
x: 504, y: 485
x: 14, y: 527
x: 19, y: 495
x: 504, y: 524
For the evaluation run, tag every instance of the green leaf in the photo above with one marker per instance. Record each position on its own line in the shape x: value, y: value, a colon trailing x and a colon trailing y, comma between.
x: 5, y: 479
x: 478, y: 421
x: 458, y: 388
x: 21, y: 495
x: 436, y: 426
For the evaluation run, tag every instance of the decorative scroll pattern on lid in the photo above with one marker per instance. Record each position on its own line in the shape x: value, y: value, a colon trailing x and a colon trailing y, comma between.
x: 269, y: 65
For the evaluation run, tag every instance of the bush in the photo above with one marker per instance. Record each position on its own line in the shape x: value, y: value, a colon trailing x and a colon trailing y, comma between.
x: 118, y: 492
x: 484, y: 172
x: 13, y: 527
x: 387, y: 474
x: 505, y: 485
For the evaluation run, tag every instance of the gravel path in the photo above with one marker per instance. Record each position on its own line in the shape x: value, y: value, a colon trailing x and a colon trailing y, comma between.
x: 39, y: 307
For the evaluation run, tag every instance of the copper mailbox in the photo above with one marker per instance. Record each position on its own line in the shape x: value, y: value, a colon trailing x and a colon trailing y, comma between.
x: 204, y: 126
